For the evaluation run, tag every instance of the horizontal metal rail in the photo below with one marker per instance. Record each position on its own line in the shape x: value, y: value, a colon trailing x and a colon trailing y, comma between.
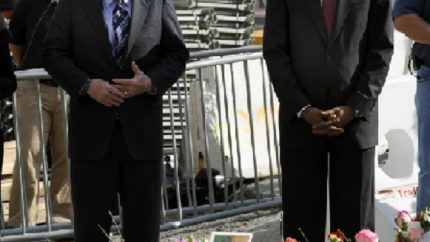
x: 224, y: 52
x: 37, y: 235
x: 42, y: 74
x: 32, y: 74
x: 224, y: 214
x: 223, y: 61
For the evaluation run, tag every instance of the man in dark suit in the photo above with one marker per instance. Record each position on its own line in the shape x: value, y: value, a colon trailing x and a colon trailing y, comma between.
x: 115, y: 58
x: 328, y: 61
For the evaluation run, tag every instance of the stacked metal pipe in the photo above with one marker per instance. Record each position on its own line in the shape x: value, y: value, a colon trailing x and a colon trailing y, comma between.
x: 205, y: 24
x: 230, y: 24
x: 197, y: 28
x: 235, y: 21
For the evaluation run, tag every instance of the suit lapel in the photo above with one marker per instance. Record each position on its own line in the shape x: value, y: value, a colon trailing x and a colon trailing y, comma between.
x: 343, y: 7
x: 94, y: 9
x: 137, y: 19
x: 315, y: 8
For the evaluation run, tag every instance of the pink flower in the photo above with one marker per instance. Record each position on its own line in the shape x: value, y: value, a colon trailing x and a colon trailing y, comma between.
x: 403, y: 217
x: 414, y: 234
x: 289, y: 239
x: 366, y: 235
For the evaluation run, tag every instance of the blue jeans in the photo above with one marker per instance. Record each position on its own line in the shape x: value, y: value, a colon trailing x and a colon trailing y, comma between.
x: 422, y: 101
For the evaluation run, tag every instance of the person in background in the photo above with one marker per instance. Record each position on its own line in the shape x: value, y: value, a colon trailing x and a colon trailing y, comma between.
x: 328, y: 60
x: 7, y: 78
x: 116, y: 59
x: 6, y: 7
x: 28, y: 27
x: 412, y: 17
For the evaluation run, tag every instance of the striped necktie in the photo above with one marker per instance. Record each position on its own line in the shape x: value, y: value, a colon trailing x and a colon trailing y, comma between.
x: 329, y: 9
x: 121, y: 29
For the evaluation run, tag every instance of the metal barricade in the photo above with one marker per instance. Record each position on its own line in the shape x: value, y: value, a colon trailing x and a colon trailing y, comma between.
x: 220, y: 134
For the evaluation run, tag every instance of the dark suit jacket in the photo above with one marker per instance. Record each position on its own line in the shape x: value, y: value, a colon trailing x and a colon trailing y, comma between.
x: 7, y: 78
x: 77, y: 49
x: 306, y: 66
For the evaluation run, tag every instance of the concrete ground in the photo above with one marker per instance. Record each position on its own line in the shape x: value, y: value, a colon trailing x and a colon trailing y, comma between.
x: 264, y: 224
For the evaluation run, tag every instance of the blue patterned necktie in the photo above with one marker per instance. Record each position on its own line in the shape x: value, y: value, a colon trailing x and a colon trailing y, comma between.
x: 121, y: 28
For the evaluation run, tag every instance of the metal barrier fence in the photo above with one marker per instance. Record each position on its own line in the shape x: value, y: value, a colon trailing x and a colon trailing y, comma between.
x: 220, y: 134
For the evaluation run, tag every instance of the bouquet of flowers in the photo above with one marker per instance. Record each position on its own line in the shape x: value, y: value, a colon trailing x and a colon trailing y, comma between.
x: 412, y: 228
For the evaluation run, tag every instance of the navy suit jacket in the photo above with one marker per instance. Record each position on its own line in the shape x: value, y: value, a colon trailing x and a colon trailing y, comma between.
x: 77, y: 48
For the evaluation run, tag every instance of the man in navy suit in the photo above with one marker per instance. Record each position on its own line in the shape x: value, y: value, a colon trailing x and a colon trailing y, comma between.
x: 115, y: 58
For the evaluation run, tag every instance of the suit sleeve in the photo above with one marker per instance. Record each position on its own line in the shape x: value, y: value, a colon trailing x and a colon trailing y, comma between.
x: 277, y: 53
x: 404, y: 7
x: 57, y: 57
x: 18, y: 23
x: 174, y: 54
x: 377, y: 59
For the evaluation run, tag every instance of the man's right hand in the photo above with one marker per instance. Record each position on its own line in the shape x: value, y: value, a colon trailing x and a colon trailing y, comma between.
x: 105, y: 94
x: 323, y: 123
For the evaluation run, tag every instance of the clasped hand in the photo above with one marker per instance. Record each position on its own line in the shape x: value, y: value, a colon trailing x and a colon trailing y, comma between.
x: 112, y: 95
x: 329, y: 122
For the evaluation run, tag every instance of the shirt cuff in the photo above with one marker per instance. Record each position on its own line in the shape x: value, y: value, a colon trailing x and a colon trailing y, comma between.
x: 358, y: 114
x: 153, y: 90
x: 301, y: 112
x: 397, y: 12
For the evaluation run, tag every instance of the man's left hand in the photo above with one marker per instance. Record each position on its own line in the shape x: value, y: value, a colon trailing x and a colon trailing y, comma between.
x: 139, y: 84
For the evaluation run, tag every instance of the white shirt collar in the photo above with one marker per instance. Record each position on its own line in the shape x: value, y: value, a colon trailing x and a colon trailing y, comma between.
x: 111, y: 1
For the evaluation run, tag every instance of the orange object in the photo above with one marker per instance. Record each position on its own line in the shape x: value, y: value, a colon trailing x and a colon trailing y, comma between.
x: 258, y: 37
